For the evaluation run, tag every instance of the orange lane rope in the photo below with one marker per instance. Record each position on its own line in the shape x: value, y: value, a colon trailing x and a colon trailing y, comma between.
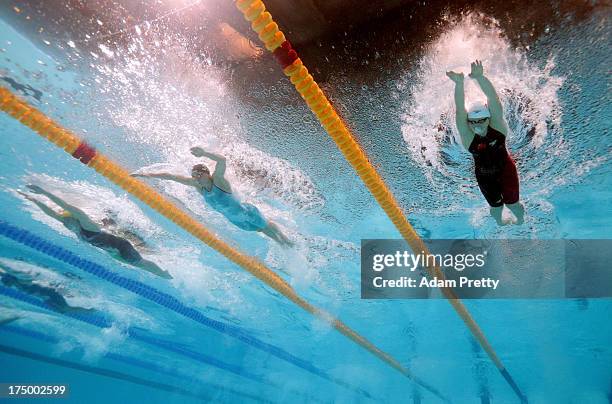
x: 53, y: 132
x: 274, y: 40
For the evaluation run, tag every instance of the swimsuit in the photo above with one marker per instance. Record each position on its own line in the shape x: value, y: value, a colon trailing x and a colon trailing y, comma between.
x: 495, y: 170
x: 243, y: 215
x: 105, y: 241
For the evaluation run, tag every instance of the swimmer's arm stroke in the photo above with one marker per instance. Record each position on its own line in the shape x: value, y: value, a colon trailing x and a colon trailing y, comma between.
x: 46, y: 209
x: 461, y: 114
x: 166, y: 176
x: 217, y: 158
x: 493, y: 102
x: 77, y: 213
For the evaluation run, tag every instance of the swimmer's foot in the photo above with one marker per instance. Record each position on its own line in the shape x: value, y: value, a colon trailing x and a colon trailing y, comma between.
x: 287, y: 243
x: 153, y: 268
x: 496, y: 213
x: 272, y: 231
x: 503, y: 222
x: 283, y: 240
x: 519, y: 211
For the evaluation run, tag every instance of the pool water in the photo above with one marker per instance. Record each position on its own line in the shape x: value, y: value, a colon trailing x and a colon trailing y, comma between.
x: 216, y: 333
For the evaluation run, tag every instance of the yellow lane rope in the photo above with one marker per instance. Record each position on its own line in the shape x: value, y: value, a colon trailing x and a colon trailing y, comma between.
x: 274, y: 40
x: 47, y: 128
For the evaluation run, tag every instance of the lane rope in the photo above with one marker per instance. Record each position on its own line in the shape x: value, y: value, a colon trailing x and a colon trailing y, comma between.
x: 8, y: 350
x: 274, y: 40
x: 137, y: 334
x: 56, y: 134
x: 163, y: 299
x: 129, y: 360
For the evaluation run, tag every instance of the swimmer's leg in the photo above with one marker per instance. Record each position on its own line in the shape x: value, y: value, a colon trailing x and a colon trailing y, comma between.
x: 152, y: 268
x: 60, y: 304
x: 130, y: 255
x: 496, y: 212
x: 519, y: 211
x: 271, y: 230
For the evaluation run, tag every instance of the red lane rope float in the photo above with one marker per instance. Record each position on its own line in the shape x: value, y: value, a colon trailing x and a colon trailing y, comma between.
x: 275, y: 41
x: 47, y: 128
x: 285, y: 55
x: 84, y: 152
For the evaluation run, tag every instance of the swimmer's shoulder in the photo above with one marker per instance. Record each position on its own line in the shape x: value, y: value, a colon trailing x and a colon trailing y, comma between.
x: 222, y: 184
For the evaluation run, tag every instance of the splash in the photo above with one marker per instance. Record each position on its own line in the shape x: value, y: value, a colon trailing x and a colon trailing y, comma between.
x: 166, y: 101
x: 111, y: 211
x: 528, y: 93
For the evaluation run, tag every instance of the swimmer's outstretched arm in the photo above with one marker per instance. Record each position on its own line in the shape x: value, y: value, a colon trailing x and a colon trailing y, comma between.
x: 77, y: 213
x: 166, y: 176
x: 493, y: 102
x: 46, y: 209
x: 461, y: 113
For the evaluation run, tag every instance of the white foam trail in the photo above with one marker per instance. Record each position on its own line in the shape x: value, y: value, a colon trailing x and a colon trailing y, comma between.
x: 97, y: 202
x: 168, y: 101
x: 262, y: 173
x: 94, y: 345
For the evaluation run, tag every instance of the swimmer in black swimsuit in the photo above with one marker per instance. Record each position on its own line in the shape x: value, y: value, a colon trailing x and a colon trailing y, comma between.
x: 483, y: 131
x: 87, y: 230
x: 23, y: 282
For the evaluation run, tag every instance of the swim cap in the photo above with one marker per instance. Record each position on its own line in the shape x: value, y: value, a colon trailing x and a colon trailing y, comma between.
x: 478, y: 110
x: 200, y: 168
x: 65, y: 213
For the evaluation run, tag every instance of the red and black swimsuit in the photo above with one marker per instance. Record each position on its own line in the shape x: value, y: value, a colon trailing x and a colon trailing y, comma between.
x: 495, y: 170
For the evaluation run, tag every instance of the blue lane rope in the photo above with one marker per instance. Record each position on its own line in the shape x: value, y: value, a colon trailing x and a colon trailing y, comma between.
x: 101, y: 372
x: 138, y: 334
x: 35, y: 242
x: 134, y: 333
x: 150, y: 366
x: 25, y: 332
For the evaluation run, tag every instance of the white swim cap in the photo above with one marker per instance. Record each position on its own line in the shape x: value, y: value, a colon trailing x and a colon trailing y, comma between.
x: 478, y: 110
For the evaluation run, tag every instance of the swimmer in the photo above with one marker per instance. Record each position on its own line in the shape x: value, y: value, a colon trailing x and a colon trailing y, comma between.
x: 22, y: 282
x: 26, y: 90
x: 87, y: 230
x: 109, y: 222
x: 483, y: 132
x: 217, y: 192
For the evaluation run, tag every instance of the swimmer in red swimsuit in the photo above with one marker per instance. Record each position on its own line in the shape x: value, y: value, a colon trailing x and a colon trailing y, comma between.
x: 483, y: 131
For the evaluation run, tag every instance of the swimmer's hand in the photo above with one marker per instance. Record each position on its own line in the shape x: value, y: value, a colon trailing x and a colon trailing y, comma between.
x: 198, y: 151
x: 138, y: 175
x: 28, y: 197
x: 477, y: 70
x: 36, y: 189
x: 454, y: 76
